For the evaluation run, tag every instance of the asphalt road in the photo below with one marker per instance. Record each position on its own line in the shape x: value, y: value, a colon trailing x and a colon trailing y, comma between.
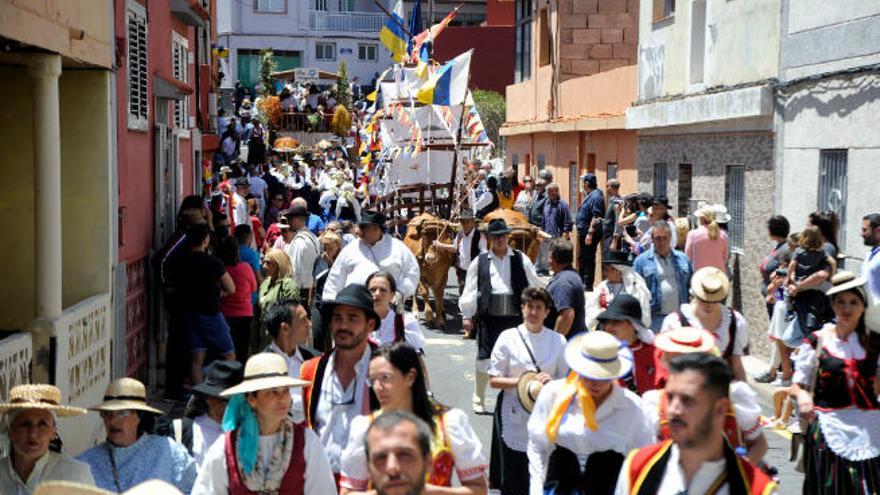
x: 450, y: 362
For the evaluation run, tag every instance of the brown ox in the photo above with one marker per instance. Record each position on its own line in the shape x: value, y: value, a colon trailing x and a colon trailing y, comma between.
x: 434, y: 263
x: 524, y: 237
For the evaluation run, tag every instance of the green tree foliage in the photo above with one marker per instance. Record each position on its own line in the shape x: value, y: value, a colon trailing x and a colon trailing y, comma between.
x: 267, y: 67
x: 492, y: 108
x: 343, y: 95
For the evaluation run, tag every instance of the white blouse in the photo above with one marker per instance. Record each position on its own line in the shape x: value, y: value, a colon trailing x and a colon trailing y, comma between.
x: 851, y: 433
x: 510, y: 359
x: 205, y: 432
x: 412, y: 331
x: 623, y: 426
x: 722, y: 333
x: 470, y: 463
x: 745, y: 406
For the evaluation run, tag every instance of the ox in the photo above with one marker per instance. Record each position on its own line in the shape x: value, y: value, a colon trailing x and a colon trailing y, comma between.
x: 434, y: 263
x: 524, y: 237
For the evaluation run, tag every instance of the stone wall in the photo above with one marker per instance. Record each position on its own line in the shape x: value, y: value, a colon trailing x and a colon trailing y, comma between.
x: 709, y: 155
x: 597, y: 35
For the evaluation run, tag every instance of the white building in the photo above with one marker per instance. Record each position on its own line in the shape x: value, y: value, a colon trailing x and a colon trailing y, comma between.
x: 302, y: 33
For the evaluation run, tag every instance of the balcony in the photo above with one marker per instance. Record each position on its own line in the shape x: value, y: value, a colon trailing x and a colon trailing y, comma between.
x: 346, y: 21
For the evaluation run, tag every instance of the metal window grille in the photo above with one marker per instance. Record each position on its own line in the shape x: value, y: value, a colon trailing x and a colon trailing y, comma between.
x: 612, y: 170
x: 523, y: 59
x: 321, y: 5
x: 735, y: 198
x: 540, y: 162
x: 180, y: 65
x: 137, y: 67
x: 832, y: 188
x: 660, y: 179
x: 685, y: 188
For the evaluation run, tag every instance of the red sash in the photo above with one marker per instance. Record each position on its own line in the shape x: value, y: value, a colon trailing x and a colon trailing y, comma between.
x: 294, y: 479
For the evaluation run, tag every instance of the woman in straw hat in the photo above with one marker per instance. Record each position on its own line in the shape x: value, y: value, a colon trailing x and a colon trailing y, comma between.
x: 742, y: 425
x: 398, y: 380
x: 527, y: 348
x: 586, y: 416
x: 262, y: 450
x: 706, y: 311
x: 839, y: 363
x: 118, y: 463
x: 30, y: 417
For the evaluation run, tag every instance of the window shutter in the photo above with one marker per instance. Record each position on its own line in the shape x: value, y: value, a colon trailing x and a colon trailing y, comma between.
x: 736, y: 205
x: 137, y: 67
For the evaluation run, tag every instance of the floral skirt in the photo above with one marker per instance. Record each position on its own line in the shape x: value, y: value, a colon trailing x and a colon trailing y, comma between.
x: 827, y: 473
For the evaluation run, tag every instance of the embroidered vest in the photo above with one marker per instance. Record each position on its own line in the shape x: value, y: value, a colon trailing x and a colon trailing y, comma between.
x: 846, y: 382
x: 294, y: 479
x: 518, y: 280
x: 648, y: 465
x: 731, y: 427
x: 475, y: 245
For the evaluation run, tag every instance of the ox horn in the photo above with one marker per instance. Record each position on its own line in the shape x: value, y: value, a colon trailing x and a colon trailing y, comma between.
x: 544, y: 235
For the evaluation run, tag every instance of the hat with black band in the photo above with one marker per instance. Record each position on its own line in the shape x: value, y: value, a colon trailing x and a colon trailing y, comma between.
x: 264, y: 371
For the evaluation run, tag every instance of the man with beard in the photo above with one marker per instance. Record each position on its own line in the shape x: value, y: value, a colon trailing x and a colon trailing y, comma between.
x: 398, y: 449
x: 871, y: 266
x: 338, y: 390
x: 697, y: 459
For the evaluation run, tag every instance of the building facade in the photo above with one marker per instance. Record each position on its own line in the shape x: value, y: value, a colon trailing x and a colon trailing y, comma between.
x: 827, y: 144
x: 575, y: 76
x: 704, y: 116
x: 302, y: 33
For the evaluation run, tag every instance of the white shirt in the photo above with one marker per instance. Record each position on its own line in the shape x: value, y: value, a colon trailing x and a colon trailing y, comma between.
x: 470, y: 463
x: 338, y: 406
x: 499, y: 273
x: 463, y: 242
x: 412, y: 331
x: 633, y: 284
x: 871, y: 271
x: 483, y: 201
x: 358, y: 260
x: 622, y: 427
x: 52, y: 466
x: 669, y: 293
x: 721, y: 334
x: 523, y: 201
x: 239, y: 210
x: 303, y: 251
x: 294, y: 364
x: 205, y: 432
x: 213, y: 478
x: 510, y: 359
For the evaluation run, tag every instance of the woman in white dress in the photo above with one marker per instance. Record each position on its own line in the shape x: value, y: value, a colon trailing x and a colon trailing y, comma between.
x: 394, y: 326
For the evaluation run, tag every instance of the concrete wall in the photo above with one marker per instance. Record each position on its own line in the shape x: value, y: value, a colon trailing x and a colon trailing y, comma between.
x: 710, y: 154
x: 606, y: 93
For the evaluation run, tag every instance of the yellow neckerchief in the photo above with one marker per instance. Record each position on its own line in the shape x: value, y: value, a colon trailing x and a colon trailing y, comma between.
x: 574, y: 385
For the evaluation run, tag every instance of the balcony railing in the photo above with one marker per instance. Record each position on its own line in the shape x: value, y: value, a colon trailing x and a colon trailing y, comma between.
x: 346, y: 21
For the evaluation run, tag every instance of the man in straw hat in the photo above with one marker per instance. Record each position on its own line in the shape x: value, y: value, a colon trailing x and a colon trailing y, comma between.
x: 495, y: 281
x: 742, y: 424
x: 118, y: 463
x: 374, y: 251
x: 262, y: 450
x: 623, y: 319
x: 586, y: 415
x: 697, y: 459
x: 706, y: 311
x: 29, y: 419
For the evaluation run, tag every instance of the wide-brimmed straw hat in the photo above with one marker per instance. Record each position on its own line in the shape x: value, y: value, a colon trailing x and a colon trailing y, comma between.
x: 710, y: 284
x: 685, y: 340
x: 38, y: 396
x: 151, y: 487
x: 125, y: 394
x: 527, y: 389
x: 264, y: 371
x: 598, y: 356
x: 846, y: 280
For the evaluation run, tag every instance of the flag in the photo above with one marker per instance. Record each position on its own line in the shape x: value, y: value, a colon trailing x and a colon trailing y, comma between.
x: 424, y: 41
x: 449, y: 85
x: 392, y: 36
x: 415, y: 23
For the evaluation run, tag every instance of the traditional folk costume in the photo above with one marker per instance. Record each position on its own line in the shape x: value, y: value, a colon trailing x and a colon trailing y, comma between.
x: 647, y: 368
x: 516, y: 352
x: 290, y: 461
x: 575, y: 447
x: 603, y: 295
x: 399, y: 327
x: 455, y: 448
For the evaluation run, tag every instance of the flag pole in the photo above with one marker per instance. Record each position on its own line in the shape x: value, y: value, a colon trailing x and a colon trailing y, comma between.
x: 453, y: 203
x: 399, y: 24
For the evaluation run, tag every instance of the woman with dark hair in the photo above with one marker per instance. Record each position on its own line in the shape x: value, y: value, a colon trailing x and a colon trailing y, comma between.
x: 238, y: 307
x: 398, y: 380
x: 836, y: 387
x: 396, y: 326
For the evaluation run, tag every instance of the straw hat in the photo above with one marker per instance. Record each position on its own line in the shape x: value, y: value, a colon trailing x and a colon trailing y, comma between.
x: 685, y: 340
x: 126, y: 394
x: 263, y: 371
x: 710, y: 284
x: 38, y: 396
x: 151, y: 487
x: 527, y: 390
x: 846, y: 280
x: 598, y: 356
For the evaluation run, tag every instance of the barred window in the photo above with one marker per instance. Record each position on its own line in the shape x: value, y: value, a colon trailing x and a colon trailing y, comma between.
x: 138, y: 102
x: 735, y: 199
x: 660, y: 178
x: 832, y: 188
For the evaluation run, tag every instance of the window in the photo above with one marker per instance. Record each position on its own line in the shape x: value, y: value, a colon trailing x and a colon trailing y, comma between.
x: 270, y: 6
x: 138, y: 103
x: 514, y: 163
x: 663, y: 9
x: 367, y: 52
x: 832, y: 188
x: 611, y: 172
x: 321, y: 5
x: 540, y: 162
x: 180, y: 70
x: 523, y: 50
x: 325, y: 51
x: 735, y: 198
x: 573, y: 181
x: 685, y: 188
x: 659, y: 179
x: 345, y: 5
x: 543, y: 39
x: 698, y: 40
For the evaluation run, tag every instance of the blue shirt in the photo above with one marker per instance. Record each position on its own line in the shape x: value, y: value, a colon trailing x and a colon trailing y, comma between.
x: 871, y: 272
x: 250, y: 256
x: 593, y: 206
x: 646, y: 266
x: 150, y: 457
x: 315, y: 224
x: 557, y: 217
x: 567, y: 290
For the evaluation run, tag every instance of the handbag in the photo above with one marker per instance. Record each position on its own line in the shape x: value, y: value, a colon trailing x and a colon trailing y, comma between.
x: 792, y: 334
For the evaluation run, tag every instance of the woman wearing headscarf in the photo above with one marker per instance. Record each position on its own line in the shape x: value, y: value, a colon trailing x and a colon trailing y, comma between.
x: 262, y: 450
x: 583, y: 425
x: 30, y: 419
x: 618, y: 278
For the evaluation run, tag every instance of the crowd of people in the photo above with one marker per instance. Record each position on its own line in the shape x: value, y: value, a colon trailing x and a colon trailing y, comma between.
x: 303, y: 372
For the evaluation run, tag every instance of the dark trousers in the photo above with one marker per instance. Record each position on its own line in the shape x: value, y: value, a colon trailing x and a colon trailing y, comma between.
x: 587, y: 261
x: 461, y: 275
x: 240, y: 328
x: 508, y: 468
x: 177, y: 359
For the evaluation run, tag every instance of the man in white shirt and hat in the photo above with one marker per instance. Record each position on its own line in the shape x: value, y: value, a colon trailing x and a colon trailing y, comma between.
x: 239, y: 202
x: 303, y: 250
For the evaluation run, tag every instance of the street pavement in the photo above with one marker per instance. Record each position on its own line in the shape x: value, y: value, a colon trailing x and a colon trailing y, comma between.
x: 450, y: 362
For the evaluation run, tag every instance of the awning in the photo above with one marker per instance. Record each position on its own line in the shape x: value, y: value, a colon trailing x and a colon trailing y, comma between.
x: 170, y: 88
x: 291, y: 75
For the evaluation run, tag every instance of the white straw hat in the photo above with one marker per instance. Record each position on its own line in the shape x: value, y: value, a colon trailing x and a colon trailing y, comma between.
x: 150, y: 487
x: 598, y: 356
x: 38, y: 396
x: 126, y: 394
x: 264, y: 371
x: 685, y: 340
x: 710, y: 284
